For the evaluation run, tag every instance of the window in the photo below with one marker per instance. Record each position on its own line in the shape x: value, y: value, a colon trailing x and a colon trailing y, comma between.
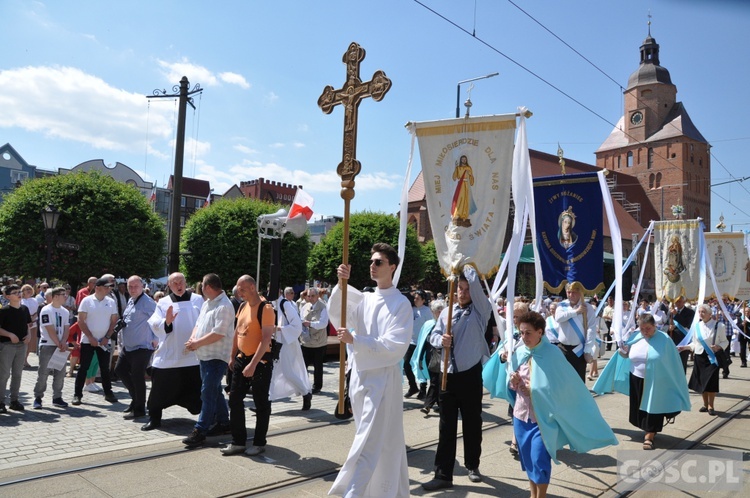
x: 651, y: 178
x: 183, y: 201
x: 18, y: 176
x: 650, y: 158
x: 619, y: 160
x: 182, y: 220
x: 658, y: 180
x: 630, y: 159
x: 199, y: 203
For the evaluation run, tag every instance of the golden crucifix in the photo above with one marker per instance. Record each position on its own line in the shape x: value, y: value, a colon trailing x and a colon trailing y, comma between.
x: 350, y: 95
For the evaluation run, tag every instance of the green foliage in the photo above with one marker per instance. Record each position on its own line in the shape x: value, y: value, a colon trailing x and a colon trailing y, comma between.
x: 365, y: 229
x: 223, y: 239
x: 434, y: 279
x: 112, y: 222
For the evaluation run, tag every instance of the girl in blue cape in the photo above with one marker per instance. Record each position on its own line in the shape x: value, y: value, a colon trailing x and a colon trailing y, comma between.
x: 551, y: 406
x: 649, y: 370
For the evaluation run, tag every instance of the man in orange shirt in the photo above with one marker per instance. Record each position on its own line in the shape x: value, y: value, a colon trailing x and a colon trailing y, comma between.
x: 251, y: 366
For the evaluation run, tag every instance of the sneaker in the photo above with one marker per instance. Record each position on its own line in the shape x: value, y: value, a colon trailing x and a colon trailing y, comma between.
x: 37, y: 403
x: 232, y: 449
x: 255, y: 450
x: 92, y: 388
x: 2, y: 408
x: 474, y: 475
x: 110, y: 396
x: 411, y: 392
x: 219, y: 430
x: 15, y: 405
x: 58, y: 402
x: 196, y: 438
x: 76, y: 400
x: 436, y: 484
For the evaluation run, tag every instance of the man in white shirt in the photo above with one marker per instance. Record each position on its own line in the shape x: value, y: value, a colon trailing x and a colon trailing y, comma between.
x: 53, y: 336
x: 578, y: 326
x: 290, y: 376
x: 97, y: 316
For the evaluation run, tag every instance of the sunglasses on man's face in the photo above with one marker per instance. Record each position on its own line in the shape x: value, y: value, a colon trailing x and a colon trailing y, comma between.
x: 376, y: 262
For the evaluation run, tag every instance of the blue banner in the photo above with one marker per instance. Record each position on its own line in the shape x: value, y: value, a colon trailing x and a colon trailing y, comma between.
x: 569, y: 231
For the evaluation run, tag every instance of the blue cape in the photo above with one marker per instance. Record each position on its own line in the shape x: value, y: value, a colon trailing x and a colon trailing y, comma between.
x: 420, y: 368
x: 668, y: 394
x: 565, y: 410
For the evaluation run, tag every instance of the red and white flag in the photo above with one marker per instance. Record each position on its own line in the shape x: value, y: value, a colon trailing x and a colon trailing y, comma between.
x: 302, y: 205
x: 208, y: 200
x: 153, y: 195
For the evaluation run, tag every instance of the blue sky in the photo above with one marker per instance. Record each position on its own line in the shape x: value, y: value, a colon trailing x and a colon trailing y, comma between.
x: 75, y: 74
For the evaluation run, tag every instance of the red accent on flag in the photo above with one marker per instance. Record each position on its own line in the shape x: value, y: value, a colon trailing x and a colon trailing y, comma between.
x: 208, y: 200
x: 302, y: 205
x: 153, y: 195
x: 456, y: 193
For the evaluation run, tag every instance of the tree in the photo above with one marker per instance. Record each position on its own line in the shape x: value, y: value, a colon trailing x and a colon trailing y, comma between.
x: 365, y: 229
x: 434, y: 279
x: 112, y: 223
x: 223, y: 239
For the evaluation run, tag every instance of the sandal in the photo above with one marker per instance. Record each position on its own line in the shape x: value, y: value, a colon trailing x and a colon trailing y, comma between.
x: 648, y: 444
x: 513, y: 449
x: 703, y: 409
x: 669, y: 420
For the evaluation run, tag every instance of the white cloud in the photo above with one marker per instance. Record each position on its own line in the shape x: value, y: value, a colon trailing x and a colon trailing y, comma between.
x: 244, y: 149
x: 69, y: 104
x: 277, y: 145
x: 193, y: 147
x: 174, y: 71
x: 234, y: 79
x: 298, y: 145
x: 271, y: 98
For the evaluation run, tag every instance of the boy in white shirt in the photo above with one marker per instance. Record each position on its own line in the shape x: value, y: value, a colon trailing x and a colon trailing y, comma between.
x: 53, y: 335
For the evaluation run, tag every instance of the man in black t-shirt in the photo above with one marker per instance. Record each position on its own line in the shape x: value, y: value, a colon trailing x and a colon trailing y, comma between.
x: 14, y: 338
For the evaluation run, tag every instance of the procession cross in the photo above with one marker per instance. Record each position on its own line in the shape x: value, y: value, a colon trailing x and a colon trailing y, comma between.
x: 350, y: 96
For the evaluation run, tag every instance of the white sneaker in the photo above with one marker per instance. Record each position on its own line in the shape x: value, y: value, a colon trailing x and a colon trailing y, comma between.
x: 93, y: 388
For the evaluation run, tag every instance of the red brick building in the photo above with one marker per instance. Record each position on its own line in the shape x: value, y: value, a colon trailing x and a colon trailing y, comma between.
x: 656, y: 143
x: 268, y: 190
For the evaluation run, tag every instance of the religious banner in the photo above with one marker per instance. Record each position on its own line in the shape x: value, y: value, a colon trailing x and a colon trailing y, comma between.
x: 569, y: 224
x: 728, y: 260
x: 677, y: 259
x: 466, y: 164
x: 743, y: 293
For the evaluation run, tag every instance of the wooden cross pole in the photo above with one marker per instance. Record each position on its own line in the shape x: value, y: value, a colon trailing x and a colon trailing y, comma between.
x: 350, y: 96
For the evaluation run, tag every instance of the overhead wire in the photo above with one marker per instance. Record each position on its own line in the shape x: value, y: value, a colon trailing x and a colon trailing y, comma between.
x: 559, y: 90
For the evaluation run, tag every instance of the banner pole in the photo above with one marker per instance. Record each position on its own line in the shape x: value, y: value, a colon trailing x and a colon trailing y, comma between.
x: 446, y: 351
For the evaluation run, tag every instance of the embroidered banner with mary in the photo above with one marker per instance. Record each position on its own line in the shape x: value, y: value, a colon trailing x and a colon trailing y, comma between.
x: 677, y: 259
x: 569, y: 231
x: 728, y: 260
x: 466, y: 165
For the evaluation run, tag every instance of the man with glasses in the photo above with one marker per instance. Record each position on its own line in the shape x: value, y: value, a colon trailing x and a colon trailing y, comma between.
x: 97, y: 316
x: 314, y: 343
x: 380, y: 335
x: 53, y: 336
x: 15, y: 322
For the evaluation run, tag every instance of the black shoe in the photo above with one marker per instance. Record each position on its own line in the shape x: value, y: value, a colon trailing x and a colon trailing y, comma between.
x: 422, y: 392
x: 58, y: 402
x: 2, y: 408
x: 129, y: 409
x: 110, y: 396
x: 744, y: 365
x: 134, y: 414
x: 76, y: 401
x: 306, y: 401
x: 151, y: 425
x: 436, y: 484
x: 425, y: 410
x: 15, y: 405
x: 474, y: 475
x: 196, y: 438
x: 411, y: 392
x: 219, y: 430
x: 315, y: 390
x: 726, y: 375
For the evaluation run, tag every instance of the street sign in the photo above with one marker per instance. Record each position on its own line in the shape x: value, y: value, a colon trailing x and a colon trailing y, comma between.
x: 68, y: 245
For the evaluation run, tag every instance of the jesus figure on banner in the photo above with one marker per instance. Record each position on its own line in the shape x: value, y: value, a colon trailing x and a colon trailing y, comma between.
x: 463, y: 204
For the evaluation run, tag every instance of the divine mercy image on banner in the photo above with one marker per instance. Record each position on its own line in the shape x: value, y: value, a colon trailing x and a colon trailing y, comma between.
x: 569, y: 231
x: 466, y: 165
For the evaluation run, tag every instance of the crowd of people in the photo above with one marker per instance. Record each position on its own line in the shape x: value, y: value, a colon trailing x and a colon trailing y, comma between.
x: 196, y: 345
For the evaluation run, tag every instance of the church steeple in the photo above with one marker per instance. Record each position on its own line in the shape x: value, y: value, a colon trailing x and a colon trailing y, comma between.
x: 649, y: 71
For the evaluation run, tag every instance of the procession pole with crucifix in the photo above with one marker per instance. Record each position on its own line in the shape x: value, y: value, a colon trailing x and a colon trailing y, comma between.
x: 350, y: 95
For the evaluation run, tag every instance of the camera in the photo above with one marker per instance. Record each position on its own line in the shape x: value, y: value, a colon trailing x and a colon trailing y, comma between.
x: 119, y: 325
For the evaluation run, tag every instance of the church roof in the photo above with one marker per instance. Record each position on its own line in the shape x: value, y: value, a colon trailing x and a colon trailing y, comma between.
x: 416, y: 191
x: 677, y: 124
x: 649, y: 72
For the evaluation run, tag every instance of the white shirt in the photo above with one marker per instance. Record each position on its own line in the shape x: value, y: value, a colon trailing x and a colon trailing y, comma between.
x: 171, y: 352
x: 51, y: 316
x: 565, y: 315
x: 98, y: 316
x: 638, y: 355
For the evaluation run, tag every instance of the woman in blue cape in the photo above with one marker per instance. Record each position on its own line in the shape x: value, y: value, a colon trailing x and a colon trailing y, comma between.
x: 420, y: 360
x: 648, y: 369
x: 551, y: 406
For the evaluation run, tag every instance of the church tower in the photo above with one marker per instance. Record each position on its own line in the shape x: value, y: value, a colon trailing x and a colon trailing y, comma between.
x: 656, y: 142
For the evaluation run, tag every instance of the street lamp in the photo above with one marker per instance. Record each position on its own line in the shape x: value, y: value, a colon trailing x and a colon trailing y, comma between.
x: 458, y: 90
x: 50, y: 215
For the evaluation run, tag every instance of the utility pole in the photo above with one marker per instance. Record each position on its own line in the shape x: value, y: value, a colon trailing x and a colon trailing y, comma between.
x: 184, y: 93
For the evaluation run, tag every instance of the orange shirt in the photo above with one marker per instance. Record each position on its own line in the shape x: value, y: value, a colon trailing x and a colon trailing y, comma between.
x: 249, y: 333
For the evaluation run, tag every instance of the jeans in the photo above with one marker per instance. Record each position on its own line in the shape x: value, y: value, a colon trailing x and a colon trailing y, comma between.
x: 12, y: 358
x: 87, y: 354
x: 58, y: 376
x: 131, y: 369
x: 261, y: 383
x: 214, y: 409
